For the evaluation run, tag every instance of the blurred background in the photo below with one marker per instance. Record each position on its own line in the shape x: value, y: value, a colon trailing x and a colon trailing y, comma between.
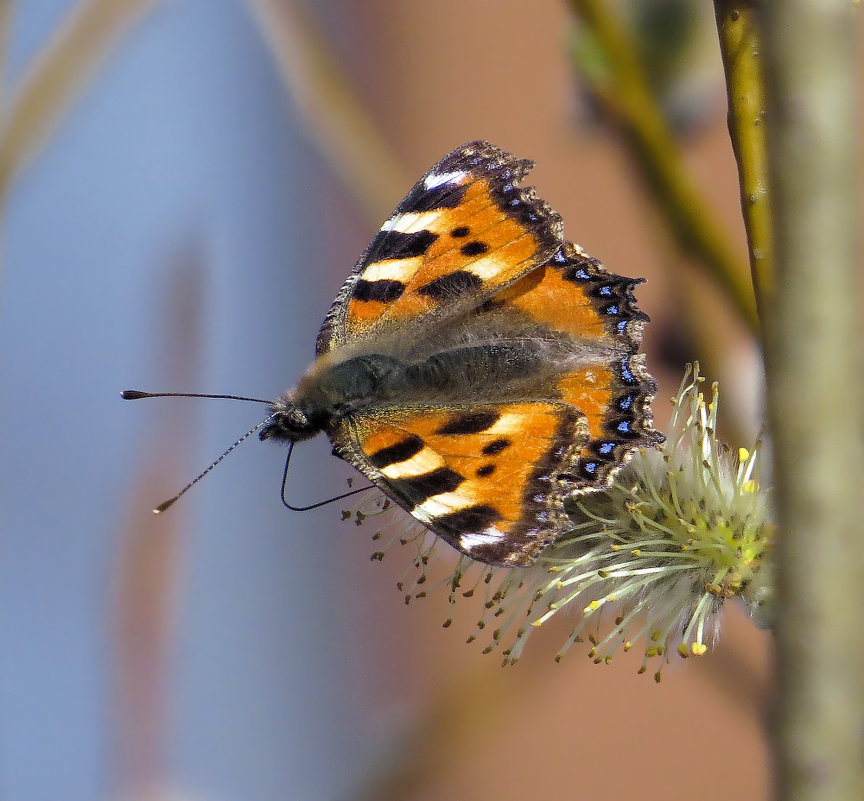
x: 186, y: 184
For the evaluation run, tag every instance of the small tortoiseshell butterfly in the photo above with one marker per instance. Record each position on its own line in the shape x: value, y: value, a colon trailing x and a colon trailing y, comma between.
x: 475, y: 366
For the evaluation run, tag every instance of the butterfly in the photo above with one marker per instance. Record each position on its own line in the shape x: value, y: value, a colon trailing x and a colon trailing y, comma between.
x: 475, y: 366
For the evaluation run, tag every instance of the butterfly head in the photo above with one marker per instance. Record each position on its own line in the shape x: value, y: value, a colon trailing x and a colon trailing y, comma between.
x: 293, y: 420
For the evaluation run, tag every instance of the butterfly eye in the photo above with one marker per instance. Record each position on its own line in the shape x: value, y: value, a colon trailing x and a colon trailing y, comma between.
x: 293, y: 423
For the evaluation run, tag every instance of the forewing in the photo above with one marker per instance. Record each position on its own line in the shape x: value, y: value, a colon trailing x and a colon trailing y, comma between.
x: 465, y: 231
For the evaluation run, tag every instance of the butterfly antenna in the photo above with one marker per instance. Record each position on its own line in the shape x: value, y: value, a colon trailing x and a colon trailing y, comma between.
x: 136, y: 394
x: 171, y: 501
x: 314, y: 505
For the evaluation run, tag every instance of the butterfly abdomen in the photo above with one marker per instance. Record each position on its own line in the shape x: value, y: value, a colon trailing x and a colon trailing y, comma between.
x: 462, y: 374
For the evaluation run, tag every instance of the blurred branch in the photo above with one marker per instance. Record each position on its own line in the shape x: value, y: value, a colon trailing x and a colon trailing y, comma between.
x: 741, y: 49
x: 59, y: 71
x: 628, y: 100
x: 814, y: 359
x: 6, y: 11
x: 336, y: 120
x: 150, y: 549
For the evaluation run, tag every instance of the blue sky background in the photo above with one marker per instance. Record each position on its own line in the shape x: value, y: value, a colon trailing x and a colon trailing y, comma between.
x: 179, y: 170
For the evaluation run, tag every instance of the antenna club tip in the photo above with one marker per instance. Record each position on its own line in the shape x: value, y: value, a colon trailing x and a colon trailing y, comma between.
x: 132, y: 394
x: 165, y: 505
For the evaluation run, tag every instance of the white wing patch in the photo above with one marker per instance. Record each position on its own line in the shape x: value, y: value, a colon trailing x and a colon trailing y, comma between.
x: 421, y: 463
x: 510, y: 423
x: 487, y: 267
x: 488, y: 537
x: 443, y: 504
x: 411, y: 221
x: 393, y: 269
x: 439, y: 179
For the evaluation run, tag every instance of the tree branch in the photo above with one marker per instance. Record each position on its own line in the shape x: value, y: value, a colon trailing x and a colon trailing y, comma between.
x: 631, y: 105
x: 814, y: 360
x: 741, y: 49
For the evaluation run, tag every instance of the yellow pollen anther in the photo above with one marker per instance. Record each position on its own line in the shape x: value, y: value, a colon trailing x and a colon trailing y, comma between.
x: 743, y: 454
x: 750, y: 487
x: 698, y: 648
x: 683, y: 650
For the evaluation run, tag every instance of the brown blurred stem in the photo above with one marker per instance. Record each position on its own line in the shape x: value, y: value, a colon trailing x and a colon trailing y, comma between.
x: 814, y: 360
x: 631, y: 105
x: 741, y: 49
x: 6, y: 10
x: 334, y: 118
x: 58, y: 71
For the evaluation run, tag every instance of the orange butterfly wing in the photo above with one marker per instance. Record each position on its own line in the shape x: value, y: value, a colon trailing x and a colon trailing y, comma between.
x: 466, y: 283
x: 492, y: 478
x: 463, y: 232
